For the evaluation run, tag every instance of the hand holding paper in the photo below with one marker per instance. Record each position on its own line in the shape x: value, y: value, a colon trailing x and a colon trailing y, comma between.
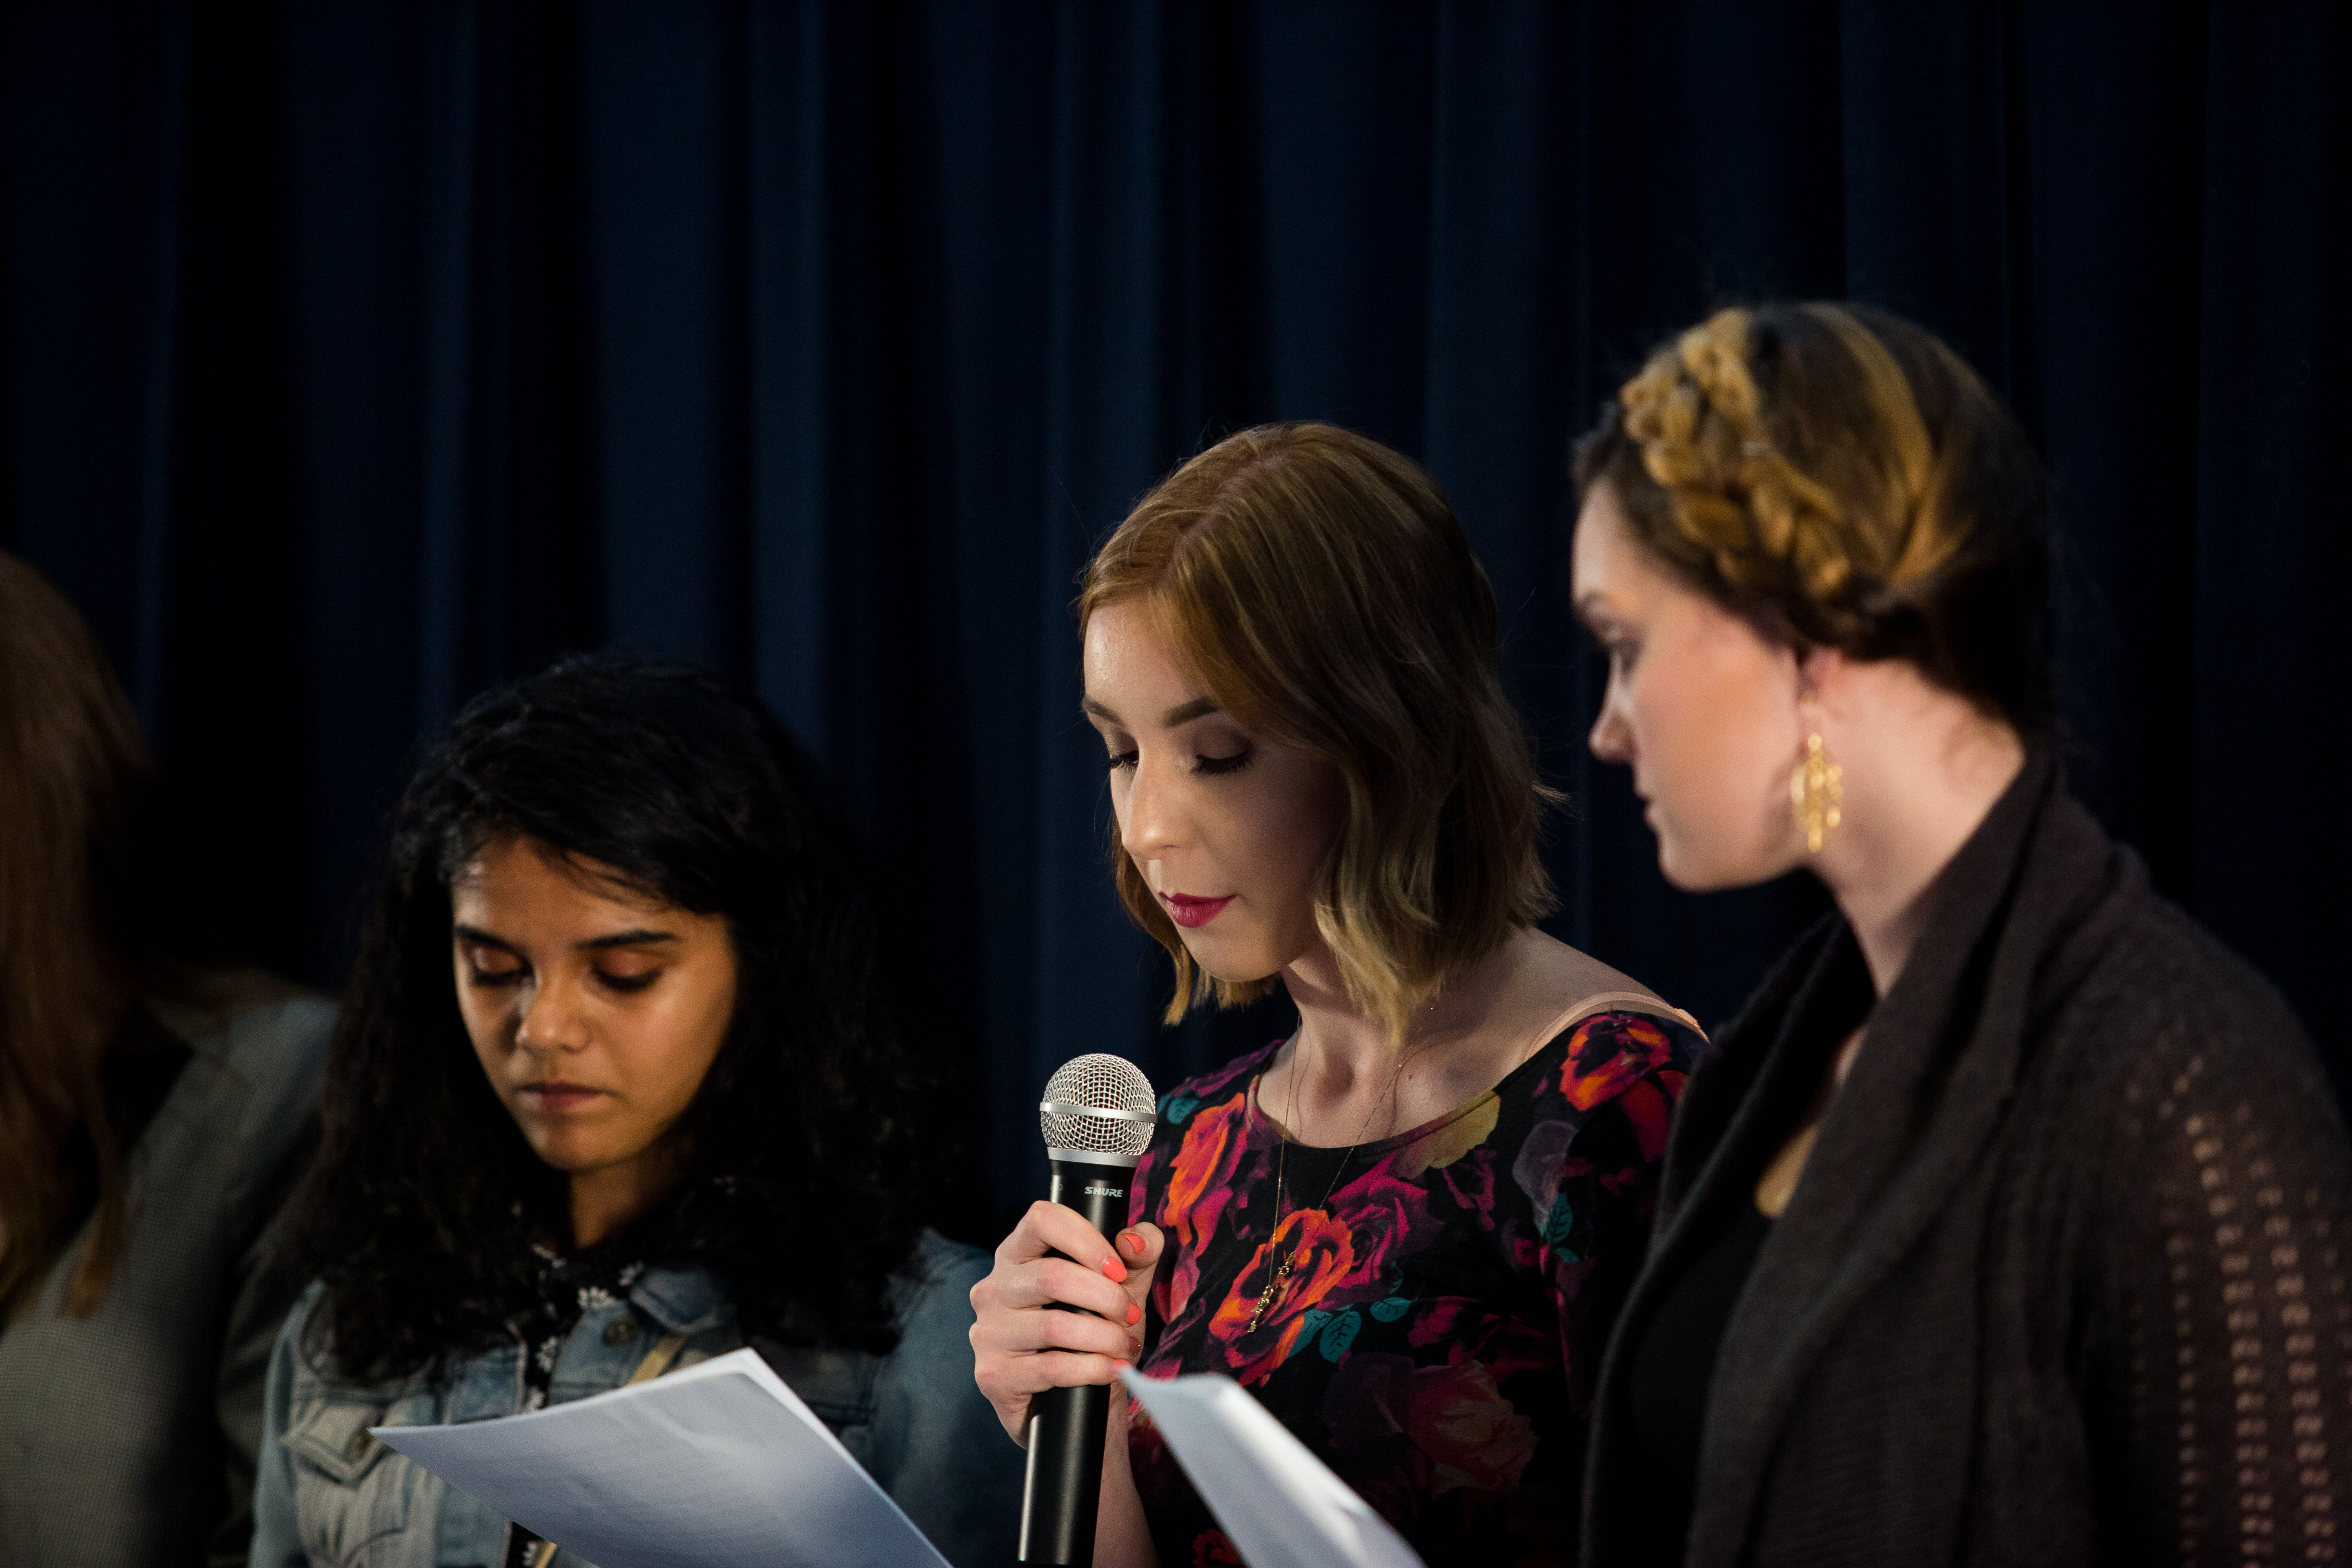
x: 717, y: 1466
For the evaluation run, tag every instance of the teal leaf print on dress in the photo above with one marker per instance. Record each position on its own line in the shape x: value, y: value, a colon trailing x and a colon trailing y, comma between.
x: 1311, y: 1323
x: 1558, y: 1224
x: 1389, y: 1311
x: 1175, y: 1108
x: 1339, y: 1333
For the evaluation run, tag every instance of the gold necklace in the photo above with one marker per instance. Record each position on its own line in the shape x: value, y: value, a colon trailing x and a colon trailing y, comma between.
x: 1276, y: 1287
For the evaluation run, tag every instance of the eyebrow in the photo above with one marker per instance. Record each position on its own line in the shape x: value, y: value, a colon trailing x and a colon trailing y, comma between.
x: 637, y: 937
x: 1183, y: 713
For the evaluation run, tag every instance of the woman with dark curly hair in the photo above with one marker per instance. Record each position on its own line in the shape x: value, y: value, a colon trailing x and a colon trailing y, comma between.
x: 617, y: 1089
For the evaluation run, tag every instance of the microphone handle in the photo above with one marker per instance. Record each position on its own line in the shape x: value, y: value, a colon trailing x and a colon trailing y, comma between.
x: 1067, y: 1425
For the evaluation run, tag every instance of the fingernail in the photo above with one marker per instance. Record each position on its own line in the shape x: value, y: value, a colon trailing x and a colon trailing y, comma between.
x: 1134, y: 1313
x: 1123, y: 1366
x: 1114, y: 1269
x: 1131, y: 1242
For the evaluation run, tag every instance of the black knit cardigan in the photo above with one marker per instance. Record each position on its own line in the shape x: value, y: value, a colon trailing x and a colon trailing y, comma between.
x: 2063, y: 1281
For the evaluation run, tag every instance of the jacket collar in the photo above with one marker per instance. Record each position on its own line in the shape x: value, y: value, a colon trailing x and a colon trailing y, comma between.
x: 682, y: 1300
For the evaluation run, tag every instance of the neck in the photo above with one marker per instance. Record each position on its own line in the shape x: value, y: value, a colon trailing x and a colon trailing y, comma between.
x: 1913, y: 797
x: 609, y: 1199
x: 1347, y: 1044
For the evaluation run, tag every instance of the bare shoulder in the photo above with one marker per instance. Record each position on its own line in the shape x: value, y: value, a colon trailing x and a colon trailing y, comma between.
x: 1565, y: 978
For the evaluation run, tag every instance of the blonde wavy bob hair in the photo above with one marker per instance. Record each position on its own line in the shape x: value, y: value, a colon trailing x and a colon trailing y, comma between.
x: 1320, y: 588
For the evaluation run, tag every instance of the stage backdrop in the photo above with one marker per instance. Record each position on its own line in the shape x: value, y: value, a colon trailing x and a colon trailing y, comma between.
x: 362, y: 352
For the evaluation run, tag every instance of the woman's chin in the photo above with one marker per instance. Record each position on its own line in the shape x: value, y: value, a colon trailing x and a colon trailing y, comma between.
x: 1235, y: 963
x: 567, y: 1151
x: 1693, y: 868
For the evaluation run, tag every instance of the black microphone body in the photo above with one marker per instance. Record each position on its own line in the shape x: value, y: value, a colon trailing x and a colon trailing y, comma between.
x: 1067, y: 1425
x: 1098, y: 1116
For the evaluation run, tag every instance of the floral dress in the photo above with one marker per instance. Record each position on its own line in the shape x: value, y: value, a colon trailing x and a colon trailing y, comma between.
x: 1440, y: 1333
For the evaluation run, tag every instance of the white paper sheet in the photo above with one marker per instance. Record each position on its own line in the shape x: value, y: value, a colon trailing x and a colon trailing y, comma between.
x: 717, y: 1465
x: 1279, y: 1505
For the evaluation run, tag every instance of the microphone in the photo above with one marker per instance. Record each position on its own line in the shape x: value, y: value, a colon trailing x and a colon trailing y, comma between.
x: 1098, y: 1116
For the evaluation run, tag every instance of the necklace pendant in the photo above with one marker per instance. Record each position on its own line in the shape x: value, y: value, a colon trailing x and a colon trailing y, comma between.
x: 1267, y: 1297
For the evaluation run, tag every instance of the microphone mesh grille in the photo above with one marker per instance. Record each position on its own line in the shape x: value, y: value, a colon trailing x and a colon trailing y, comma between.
x: 1101, y: 1083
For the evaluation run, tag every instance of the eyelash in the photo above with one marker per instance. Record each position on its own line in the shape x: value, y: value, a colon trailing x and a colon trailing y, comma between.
x: 1207, y: 767
x: 624, y: 984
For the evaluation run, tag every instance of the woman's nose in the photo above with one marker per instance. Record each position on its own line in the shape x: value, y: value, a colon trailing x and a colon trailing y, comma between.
x: 1611, y: 739
x: 551, y: 1019
x: 1154, y: 818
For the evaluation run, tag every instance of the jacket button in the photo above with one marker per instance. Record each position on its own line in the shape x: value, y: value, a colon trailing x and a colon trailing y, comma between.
x: 621, y: 1331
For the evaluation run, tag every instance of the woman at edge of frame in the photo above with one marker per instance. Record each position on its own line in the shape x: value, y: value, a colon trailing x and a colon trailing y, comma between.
x: 2005, y: 1224
x: 617, y: 1089
x: 1407, y: 1227
x: 158, y: 1104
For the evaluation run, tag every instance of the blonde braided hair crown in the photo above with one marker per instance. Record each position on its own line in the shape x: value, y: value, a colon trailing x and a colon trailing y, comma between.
x: 1774, y: 532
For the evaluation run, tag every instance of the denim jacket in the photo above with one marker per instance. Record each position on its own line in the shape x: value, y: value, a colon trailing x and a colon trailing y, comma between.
x: 331, y: 1495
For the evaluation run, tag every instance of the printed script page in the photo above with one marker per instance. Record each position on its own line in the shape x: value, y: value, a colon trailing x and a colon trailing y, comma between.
x: 1279, y: 1505
x: 718, y: 1465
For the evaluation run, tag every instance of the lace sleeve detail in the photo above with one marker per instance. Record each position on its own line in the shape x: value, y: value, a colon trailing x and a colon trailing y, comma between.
x: 2233, y: 1377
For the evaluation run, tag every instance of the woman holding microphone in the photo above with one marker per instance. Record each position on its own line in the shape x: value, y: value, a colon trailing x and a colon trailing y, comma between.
x: 1407, y: 1228
x: 2007, y: 1223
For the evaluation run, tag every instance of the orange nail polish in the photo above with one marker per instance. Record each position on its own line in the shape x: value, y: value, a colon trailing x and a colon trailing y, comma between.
x: 1134, y: 1313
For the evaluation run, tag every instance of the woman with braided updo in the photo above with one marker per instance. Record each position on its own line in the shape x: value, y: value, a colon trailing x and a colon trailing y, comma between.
x: 2006, y: 1222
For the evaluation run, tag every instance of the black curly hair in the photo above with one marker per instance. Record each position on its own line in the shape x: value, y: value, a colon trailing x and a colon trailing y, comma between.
x: 805, y: 1149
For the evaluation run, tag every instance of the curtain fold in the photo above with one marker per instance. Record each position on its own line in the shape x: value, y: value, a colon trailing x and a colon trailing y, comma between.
x: 361, y: 354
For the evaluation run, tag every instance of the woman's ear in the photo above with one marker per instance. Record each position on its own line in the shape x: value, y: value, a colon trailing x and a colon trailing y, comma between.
x: 1824, y: 681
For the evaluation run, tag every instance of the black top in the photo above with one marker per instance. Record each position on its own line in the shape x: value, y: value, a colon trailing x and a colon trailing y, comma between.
x: 2065, y: 1279
x: 1674, y: 1365
x: 568, y: 1287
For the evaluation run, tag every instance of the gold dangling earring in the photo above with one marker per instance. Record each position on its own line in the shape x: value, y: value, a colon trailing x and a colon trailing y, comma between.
x: 1816, y: 789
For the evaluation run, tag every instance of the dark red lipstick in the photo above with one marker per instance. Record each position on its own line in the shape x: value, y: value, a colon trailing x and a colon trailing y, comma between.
x: 1190, y: 912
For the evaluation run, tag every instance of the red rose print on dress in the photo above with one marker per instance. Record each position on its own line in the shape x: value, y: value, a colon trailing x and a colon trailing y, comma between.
x: 1469, y: 1434
x: 1649, y: 1108
x: 1214, y: 1551
x: 1389, y: 1219
x: 1470, y: 1182
x: 1324, y: 1253
x: 1462, y: 1422
x: 1199, y: 1185
x: 1609, y: 1052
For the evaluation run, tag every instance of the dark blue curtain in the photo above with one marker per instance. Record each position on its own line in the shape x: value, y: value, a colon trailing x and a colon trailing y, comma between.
x: 362, y: 352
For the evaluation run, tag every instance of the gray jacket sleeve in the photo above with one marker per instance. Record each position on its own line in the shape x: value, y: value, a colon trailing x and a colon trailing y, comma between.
x: 942, y: 1455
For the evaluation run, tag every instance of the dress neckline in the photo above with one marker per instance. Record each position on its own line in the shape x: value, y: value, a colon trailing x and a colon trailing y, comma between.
x: 1262, y: 1121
